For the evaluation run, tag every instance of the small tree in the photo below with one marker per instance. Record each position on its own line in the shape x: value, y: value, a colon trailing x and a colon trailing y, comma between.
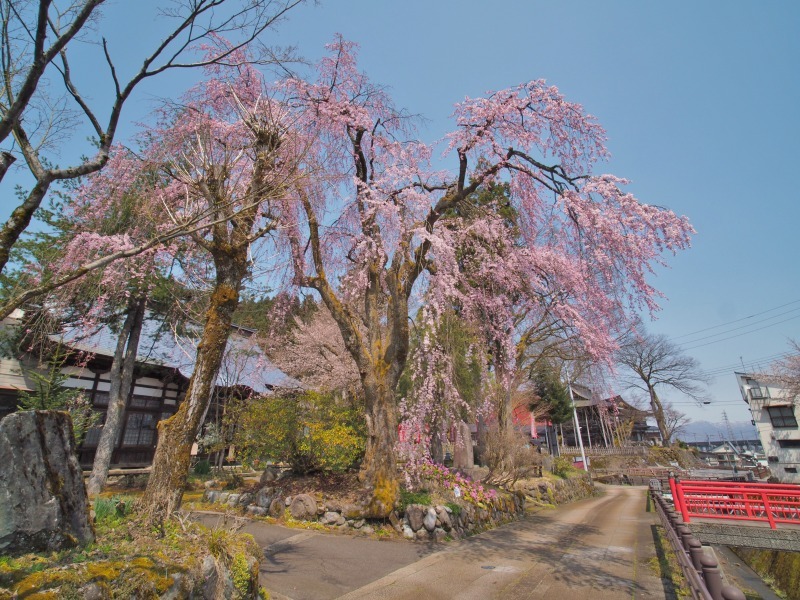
x: 654, y: 363
x: 51, y: 393
x: 675, y: 420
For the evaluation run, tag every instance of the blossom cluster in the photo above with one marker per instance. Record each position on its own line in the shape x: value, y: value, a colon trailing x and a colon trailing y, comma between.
x: 470, y: 490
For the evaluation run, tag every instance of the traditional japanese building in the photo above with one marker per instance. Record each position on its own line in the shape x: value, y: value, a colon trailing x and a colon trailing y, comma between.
x: 165, y: 362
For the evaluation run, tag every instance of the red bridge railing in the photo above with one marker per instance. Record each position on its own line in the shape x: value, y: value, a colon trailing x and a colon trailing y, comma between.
x: 771, y: 503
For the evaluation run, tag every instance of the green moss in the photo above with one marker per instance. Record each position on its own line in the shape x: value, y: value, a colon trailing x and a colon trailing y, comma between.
x: 780, y: 569
x: 241, y: 575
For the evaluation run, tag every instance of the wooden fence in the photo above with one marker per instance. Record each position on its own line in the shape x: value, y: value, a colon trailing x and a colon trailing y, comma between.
x: 624, y: 451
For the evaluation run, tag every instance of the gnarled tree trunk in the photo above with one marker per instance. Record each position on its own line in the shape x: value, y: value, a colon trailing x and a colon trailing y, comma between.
x: 176, y: 435
x: 379, y: 469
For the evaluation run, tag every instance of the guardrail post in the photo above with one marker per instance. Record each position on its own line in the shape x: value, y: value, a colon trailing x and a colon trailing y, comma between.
x: 732, y: 593
x: 684, y: 535
x: 696, y: 554
x: 712, y: 576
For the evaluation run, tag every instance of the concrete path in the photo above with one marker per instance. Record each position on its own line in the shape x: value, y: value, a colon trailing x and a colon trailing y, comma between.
x: 599, y: 548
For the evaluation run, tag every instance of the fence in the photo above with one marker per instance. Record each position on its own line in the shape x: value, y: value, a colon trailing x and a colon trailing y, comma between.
x: 623, y: 451
x: 701, y: 570
x: 771, y: 503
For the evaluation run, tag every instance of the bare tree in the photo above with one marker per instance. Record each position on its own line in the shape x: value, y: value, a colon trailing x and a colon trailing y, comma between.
x: 41, y: 102
x: 675, y: 420
x: 657, y: 363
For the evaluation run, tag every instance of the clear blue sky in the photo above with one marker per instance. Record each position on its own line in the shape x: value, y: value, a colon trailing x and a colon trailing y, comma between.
x: 700, y: 101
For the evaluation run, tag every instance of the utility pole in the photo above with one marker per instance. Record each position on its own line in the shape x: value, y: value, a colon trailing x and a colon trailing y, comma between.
x: 577, y: 427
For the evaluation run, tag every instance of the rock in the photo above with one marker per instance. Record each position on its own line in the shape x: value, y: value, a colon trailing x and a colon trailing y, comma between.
x: 92, y: 591
x: 333, y: 506
x: 341, y: 521
x: 44, y: 505
x: 209, y: 484
x: 208, y: 567
x: 329, y: 518
x: 444, y: 518
x: 269, y: 475
x: 359, y: 524
x: 303, y: 507
x: 439, y: 535
x: 352, y: 511
x: 423, y: 535
x: 245, y: 499
x: 232, y: 500
x: 256, y: 511
x: 415, y: 515
x: 210, y: 496
x: 177, y: 590
x: 408, y: 533
x: 288, y: 500
x: 223, y: 497
x: 264, y: 496
x: 429, y: 522
x: 367, y: 530
x: 276, y: 508
x: 394, y: 519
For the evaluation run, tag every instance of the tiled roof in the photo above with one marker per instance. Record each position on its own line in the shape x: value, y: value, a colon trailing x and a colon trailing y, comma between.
x: 160, y: 344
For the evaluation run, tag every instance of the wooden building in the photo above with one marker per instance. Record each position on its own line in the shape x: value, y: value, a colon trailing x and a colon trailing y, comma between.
x: 165, y: 362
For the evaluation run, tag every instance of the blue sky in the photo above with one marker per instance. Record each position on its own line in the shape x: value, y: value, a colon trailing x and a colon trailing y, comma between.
x: 700, y: 102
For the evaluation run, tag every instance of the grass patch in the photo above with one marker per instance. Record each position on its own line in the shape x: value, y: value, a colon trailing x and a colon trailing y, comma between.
x: 421, y: 497
x: 666, y: 564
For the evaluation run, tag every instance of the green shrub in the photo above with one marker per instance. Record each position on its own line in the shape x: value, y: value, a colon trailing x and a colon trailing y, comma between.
x: 112, y: 510
x: 203, y: 467
x: 456, y: 508
x: 310, y: 431
x: 562, y: 467
x: 419, y: 497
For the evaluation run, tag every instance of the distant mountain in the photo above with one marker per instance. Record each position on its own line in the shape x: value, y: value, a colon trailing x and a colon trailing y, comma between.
x: 702, y: 430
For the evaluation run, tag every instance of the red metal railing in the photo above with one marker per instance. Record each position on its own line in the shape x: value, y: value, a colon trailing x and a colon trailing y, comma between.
x: 767, y: 502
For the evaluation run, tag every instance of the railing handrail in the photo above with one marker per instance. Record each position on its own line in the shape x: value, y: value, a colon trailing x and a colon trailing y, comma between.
x: 738, y: 501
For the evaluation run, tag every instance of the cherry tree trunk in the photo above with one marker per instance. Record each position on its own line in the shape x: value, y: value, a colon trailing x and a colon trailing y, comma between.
x: 379, y: 469
x: 121, y: 381
x: 176, y: 435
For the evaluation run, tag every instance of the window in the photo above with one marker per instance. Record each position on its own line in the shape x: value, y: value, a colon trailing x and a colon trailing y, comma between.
x: 789, y: 443
x: 140, y: 430
x: 790, y: 469
x: 782, y: 416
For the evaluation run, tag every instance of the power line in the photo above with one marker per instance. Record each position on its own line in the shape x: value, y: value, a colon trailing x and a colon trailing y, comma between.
x: 763, y: 312
x: 713, y: 335
x: 739, y: 334
x: 749, y: 365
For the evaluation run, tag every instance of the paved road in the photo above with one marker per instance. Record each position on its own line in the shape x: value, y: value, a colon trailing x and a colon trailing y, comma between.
x: 599, y: 548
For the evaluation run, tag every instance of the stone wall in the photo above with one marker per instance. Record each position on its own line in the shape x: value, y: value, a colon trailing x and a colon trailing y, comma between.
x: 418, y: 522
x: 558, y: 491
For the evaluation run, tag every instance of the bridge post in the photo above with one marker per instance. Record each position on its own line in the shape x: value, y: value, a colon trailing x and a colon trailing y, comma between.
x: 712, y: 576
x: 696, y: 554
x: 732, y: 593
x: 768, y: 510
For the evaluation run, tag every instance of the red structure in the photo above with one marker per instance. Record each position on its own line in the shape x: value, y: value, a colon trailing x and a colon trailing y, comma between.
x: 772, y: 503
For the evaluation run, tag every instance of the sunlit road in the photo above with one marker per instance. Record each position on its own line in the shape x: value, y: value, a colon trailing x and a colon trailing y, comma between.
x: 598, y: 549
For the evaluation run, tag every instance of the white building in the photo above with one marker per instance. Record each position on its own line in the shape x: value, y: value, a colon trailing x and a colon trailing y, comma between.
x: 775, y: 416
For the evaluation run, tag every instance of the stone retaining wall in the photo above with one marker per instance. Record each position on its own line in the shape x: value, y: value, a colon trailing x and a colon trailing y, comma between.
x: 416, y: 522
x: 559, y: 491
